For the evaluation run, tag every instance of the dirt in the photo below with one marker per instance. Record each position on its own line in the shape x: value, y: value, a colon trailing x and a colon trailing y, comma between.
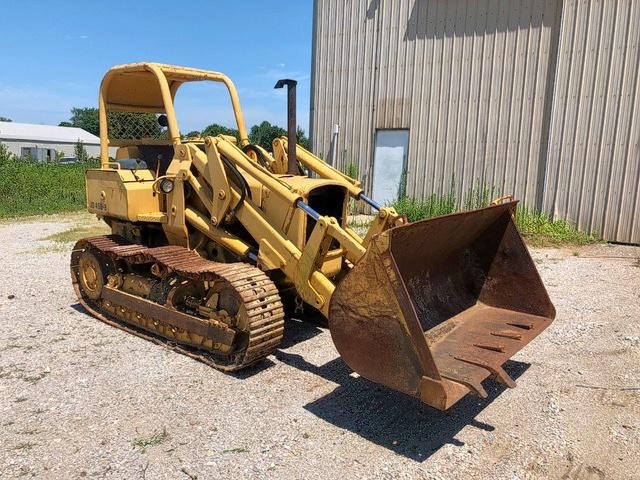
x: 81, y: 399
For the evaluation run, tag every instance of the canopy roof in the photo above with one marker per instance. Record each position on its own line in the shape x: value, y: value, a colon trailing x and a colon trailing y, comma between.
x: 137, y: 85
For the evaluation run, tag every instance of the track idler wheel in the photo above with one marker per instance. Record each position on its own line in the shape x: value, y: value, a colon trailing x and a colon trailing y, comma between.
x: 91, y: 275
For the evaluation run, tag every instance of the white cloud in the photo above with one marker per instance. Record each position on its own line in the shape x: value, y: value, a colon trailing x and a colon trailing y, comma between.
x: 76, y: 37
x: 278, y: 73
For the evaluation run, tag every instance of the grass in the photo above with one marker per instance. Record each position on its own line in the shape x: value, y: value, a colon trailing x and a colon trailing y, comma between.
x: 477, y: 196
x: 145, y: 442
x: 32, y: 188
x: 432, y: 206
x: 85, y: 225
x: 536, y: 227
x: 540, y: 231
x: 360, y: 221
x: 79, y: 231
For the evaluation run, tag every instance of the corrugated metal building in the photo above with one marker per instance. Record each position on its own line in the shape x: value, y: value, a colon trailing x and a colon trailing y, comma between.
x: 44, y: 141
x: 539, y: 98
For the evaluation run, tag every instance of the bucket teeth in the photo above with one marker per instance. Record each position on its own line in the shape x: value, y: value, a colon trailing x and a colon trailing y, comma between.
x: 492, y: 348
x: 496, y: 370
x: 508, y: 334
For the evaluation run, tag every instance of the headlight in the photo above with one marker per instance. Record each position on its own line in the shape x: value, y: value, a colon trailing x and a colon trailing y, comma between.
x: 166, y: 185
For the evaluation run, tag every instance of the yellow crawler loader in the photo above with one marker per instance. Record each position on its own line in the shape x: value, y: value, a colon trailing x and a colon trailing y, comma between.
x: 210, y: 234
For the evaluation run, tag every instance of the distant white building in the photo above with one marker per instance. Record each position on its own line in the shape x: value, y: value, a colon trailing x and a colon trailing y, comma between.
x: 43, y: 142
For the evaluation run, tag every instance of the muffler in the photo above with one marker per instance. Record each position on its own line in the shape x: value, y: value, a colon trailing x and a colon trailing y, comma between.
x: 435, y: 307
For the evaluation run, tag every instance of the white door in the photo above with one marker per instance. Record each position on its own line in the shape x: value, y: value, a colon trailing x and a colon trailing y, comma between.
x: 389, y: 163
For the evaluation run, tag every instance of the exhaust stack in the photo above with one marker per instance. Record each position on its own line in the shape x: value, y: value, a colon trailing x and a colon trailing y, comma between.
x: 292, y: 140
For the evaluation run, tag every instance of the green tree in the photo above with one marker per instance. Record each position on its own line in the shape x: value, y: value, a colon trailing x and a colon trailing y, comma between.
x: 303, y: 141
x: 265, y: 133
x: 85, y: 118
x: 80, y: 152
x: 5, y: 119
x: 215, y: 129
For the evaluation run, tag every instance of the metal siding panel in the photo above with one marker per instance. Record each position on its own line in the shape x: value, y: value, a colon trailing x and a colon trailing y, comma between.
x: 312, y: 89
x: 589, y: 107
x: 358, y: 84
x: 496, y: 67
x: 343, y: 80
x: 423, y: 24
x: 618, y: 162
x: 619, y: 52
x: 608, y: 109
x: 452, y: 170
x: 437, y: 101
x: 593, y: 157
x: 447, y: 70
x: 384, y: 64
x: 628, y: 207
x: 539, y: 67
x: 486, y: 32
x: 514, y: 106
x: 624, y: 99
x: 415, y: 84
x: 367, y: 111
x: 505, y: 180
x: 464, y: 66
x: 471, y: 81
x: 574, y: 118
x: 467, y: 107
x: 526, y: 70
x: 441, y: 94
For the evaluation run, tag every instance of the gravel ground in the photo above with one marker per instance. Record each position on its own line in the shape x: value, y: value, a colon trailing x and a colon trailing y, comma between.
x: 81, y: 399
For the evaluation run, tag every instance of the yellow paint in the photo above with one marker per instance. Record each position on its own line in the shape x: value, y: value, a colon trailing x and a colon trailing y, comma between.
x: 205, y: 200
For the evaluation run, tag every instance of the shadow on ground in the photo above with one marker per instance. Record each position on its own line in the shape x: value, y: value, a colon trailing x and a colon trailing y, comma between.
x: 391, y: 419
x: 296, y: 331
x: 80, y: 309
x: 388, y: 418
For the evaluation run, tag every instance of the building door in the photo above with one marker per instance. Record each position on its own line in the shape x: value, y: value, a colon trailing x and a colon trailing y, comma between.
x: 389, y: 165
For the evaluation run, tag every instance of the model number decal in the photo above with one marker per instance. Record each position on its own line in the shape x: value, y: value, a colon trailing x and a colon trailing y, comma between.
x: 98, y: 206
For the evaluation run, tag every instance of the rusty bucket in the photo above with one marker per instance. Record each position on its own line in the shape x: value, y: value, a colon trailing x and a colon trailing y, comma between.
x: 435, y: 307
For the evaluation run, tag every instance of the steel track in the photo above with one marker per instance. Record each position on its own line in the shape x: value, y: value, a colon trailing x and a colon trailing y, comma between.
x: 261, y: 301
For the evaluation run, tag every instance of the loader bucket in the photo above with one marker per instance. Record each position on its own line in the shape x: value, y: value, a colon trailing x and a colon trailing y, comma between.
x: 435, y: 307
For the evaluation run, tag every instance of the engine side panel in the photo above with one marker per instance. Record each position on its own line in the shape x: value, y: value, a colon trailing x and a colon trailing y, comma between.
x: 122, y: 194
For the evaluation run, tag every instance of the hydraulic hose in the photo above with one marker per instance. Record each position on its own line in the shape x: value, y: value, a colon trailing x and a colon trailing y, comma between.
x: 263, y: 160
x: 259, y: 153
x: 240, y: 181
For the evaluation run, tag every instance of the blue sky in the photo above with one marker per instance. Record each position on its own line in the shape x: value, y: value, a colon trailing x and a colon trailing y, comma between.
x: 54, y: 54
